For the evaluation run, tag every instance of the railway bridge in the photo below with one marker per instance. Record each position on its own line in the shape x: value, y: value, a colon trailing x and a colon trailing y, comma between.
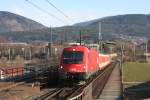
x: 106, y: 86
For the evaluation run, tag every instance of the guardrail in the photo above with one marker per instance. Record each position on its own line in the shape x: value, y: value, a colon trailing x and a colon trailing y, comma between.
x: 86, y: 91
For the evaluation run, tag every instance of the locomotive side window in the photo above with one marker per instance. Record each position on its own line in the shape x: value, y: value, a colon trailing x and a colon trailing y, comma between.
x: 72, y: 57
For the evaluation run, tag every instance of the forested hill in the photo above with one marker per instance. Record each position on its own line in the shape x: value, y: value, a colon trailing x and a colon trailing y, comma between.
x: 130, y: 24
x: 13, y: 22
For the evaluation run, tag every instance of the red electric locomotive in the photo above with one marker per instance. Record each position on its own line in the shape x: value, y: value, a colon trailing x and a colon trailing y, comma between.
x: 81, y: 62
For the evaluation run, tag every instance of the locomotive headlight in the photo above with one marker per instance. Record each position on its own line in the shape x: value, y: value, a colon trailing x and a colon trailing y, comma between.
x: 61, y: 67
x: 74, y: 49
x: 84, y: 67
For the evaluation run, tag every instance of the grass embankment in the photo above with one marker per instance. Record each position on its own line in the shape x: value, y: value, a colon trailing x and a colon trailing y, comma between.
x: 136, y: 72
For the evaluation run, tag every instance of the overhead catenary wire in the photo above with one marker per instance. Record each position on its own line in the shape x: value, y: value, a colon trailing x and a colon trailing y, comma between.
x: 43, y: 10
x: 60, y: 11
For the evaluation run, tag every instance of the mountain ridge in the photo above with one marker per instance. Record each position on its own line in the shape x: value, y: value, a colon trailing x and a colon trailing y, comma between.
x: 128, y: 24
x: 14, y: 22
x: 103, y: 19
x: 112, y: 27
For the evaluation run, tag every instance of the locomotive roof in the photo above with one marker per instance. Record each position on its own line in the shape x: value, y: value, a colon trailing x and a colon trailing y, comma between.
x: 77, y: 47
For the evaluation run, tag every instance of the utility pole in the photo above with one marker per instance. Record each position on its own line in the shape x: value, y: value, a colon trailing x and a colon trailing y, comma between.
x: 122, y: 48
x: 146, y: 51
x: 50, y: 50
x: 121, y: 65
x: 134, y: 50
x: 25, y: 54
x: 9, y: 50
x: 100, y: 37
x: 65, y: 34
x: 80, y: 38
x: 30, y: 53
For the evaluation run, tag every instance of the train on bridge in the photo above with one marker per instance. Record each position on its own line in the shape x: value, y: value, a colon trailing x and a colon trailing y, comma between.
x: 81, y: 62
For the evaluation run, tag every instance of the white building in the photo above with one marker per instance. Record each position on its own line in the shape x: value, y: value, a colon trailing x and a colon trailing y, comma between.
x: 147, y: 55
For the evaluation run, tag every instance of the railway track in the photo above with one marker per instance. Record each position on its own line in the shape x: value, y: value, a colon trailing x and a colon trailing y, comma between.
x: 48, y: 95
x: 29, y: 78
x: 45, y: 95
x: 92, y: 88
x: 17, y: 82
x: 53, y: 94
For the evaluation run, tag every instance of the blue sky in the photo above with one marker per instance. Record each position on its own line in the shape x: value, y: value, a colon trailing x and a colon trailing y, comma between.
x: 77, y: 10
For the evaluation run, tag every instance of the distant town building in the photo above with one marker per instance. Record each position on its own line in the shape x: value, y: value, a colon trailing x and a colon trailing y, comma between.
x: 10, y: 72
x: 147, y: 57
x: 13, y: 44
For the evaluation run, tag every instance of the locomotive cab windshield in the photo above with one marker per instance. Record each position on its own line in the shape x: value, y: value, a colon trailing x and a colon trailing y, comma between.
x: 72, y: 57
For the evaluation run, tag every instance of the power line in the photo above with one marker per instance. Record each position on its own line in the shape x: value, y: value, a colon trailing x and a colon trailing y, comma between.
x: 43, y: 10
x: 58, y: 10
